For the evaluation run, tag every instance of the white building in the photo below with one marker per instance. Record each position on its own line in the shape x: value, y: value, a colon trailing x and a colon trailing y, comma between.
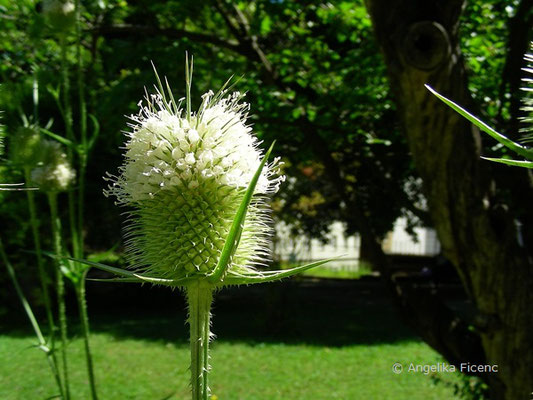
x: 303, y: 249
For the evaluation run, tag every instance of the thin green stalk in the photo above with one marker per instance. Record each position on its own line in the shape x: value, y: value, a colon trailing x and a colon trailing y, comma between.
x: 76, y: 205
x: 56, y: 236
x: 67, y: 109
x: 82, y: 305
x: 199, y: 298
x: 80, y: 287
x: 67, y: 116
x: 52, y: 362
x: 83, y: 129
x: 78, y: 250
x: 74, y: 231
x: 40, y: 263
x: 81, y: 83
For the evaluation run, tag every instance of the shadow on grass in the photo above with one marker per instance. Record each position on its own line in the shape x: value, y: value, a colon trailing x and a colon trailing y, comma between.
x: 305, y: 311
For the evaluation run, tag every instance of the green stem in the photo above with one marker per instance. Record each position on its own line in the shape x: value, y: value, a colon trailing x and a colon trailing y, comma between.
x: 82, y: 305
x: 74, y: 233
x: 56, y: 236
x: 81, y: 83
x: 40, y: 263
x: 78, y: 250
x: 52, y: 362
x: 67, y: 116
x: 83, y: 129
x: 199, y: 298
x: 67, y: 109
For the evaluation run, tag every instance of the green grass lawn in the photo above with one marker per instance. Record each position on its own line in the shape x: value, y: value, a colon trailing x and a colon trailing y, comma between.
x: 142, y: 369
x: 327, y: 272
x: 319, y: 352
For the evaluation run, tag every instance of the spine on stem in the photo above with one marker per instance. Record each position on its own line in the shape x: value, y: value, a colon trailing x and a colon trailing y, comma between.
x: 200, y: 298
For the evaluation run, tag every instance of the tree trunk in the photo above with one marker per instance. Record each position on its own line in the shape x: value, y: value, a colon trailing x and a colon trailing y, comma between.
x: 420, y: 42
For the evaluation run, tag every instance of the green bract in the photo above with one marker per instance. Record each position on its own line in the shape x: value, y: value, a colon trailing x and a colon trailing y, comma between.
x: 524, y: 151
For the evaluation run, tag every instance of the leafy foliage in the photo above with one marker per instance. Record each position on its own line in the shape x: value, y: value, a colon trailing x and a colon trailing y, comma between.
x: 311, y: 70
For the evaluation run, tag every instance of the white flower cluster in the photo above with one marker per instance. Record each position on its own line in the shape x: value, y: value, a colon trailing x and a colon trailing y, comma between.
x: 63, y: 7
x: 60, y: 15
x: 167, y: 150
x: 54, y: 173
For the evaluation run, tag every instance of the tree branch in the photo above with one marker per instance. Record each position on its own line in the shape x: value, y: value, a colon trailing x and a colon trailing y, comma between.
x: 130, y: 31
x: 225, y: 16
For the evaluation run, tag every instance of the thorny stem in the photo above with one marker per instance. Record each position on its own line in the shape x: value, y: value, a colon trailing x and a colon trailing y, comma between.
x: 40, y: 264
x: 82, y: 305
x: 56, y: 236
x: 67, y: 116
x: 199, y: 298
x: 76, y: 203
x: 67, y: 109
x: 83, y: 132
x: 50, y: 356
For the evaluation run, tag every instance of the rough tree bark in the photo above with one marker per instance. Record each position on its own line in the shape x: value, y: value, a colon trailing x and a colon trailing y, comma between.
x: 419, y: 39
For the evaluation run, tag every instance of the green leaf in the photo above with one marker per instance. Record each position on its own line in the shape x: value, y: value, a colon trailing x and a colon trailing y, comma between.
x: 123, y: 280
x: 270, y: 276
x: 523, y: 151
x: 60, y: 139
x: 226, y: 87
x: 234, y: 235
x: 516, y: 163
x: 266, y: 25
x: 188, y: 83
x: 125, y: 273
x: 54, y: 91
x: 14, y: 187
x: 96, y: 132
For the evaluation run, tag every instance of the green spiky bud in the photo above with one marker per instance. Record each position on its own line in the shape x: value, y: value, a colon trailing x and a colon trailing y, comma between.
x: 60, y: 14
x: 53, y: 172
x: 25, y: 147
x: 184, y: 176
x: 527, y: 98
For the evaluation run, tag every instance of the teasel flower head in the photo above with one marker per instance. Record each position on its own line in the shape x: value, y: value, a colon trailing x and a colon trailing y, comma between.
x: 527, y: 98
x: 196, y: 185
x: 11, y: 186
x: 184, y: 176
x: 53, y: 173
x: 60, y: 14
x: 25, y: 147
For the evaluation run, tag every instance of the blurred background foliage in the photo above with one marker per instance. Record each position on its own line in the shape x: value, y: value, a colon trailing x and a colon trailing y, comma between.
x: 312, y: 72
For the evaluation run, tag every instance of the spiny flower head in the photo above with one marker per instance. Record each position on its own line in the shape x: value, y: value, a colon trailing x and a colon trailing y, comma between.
x: 25, y: 147
x: 184, y: 176
x: 61, y: 14
x: 53, y: 172
x: 527, y: 99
